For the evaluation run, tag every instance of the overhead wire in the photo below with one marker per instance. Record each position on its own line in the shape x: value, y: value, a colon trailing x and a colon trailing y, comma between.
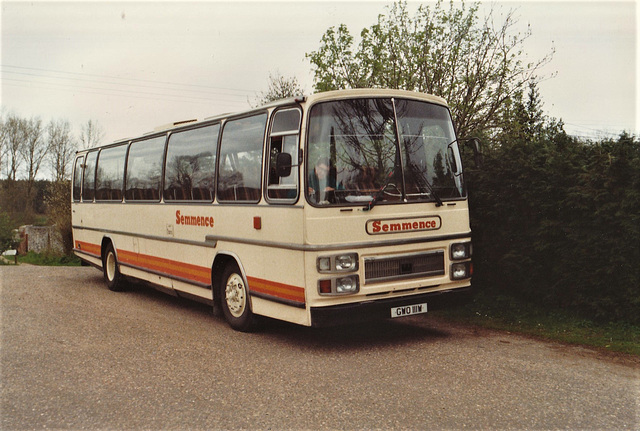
x: 124, y: 84
x: 603, y: 131
x: 118, y: 93
x: 129, y: 79
x: 181, y: 92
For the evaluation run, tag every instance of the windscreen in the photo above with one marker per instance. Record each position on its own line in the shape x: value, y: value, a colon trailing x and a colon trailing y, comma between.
x: 387, y: 150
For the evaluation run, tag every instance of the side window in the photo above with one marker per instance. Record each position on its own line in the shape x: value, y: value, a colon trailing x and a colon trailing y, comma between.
x: 110, y: 173
x: 144, y: 170
x: 241, y: 159
x: 283, y: 139
x: 191, y: 165
x: 89, y: 179
x: 77, y: 179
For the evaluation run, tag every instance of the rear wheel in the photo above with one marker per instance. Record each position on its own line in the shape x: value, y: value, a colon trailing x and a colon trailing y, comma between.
x: 111, y: 271
x: 235, y: 299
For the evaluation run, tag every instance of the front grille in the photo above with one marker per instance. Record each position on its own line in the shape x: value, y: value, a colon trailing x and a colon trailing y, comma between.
x: 404, y: 267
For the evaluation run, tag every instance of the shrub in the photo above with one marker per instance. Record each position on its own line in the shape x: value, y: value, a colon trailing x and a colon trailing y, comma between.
x: 556, y: 221
x: 6, y: 232
x: 58, y: 204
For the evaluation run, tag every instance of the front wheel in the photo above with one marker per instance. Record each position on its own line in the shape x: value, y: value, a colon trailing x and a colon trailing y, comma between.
x: 111, y: 271
x: 235, y: 300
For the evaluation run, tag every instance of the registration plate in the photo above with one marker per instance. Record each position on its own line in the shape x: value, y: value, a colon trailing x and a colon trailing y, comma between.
x: 408, y: 310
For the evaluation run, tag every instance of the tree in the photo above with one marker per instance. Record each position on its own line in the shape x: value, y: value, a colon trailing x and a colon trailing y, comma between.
x: 91, y: 135
x: 13, y: 135
x: 279, y: 88
x: 3, y: 140
x: 477, y: 65
x: 522, y: 118
x: 61, y: 148
x: 33, y: 150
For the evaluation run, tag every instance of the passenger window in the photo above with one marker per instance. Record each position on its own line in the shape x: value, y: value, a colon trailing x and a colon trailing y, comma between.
x: 284, y: 139
x: 191, y: 165
x: 77, y: 179
x: 144, y: 170
x: 241, y: 159
x: 89, y: 178
x: 110, y: 173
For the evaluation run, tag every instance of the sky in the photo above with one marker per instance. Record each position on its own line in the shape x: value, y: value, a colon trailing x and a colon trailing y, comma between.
x: 133, y: 66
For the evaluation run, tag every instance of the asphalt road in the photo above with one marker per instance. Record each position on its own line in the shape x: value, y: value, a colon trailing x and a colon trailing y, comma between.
x: 75, y: 355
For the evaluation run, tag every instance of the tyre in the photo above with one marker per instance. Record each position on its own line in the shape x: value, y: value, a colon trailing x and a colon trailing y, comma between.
x: 112, y: 276
x: 234, y: 296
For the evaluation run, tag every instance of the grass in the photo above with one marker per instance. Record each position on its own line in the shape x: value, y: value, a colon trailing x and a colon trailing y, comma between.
x: 510, y: 314
x: 49, y: 259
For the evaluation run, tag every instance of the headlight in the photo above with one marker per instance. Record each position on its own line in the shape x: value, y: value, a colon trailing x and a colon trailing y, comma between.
x: 339, y: 286
x: 347, y: 262
x: 347, y: 285
x: 460, y: 250
x: 460, y: 270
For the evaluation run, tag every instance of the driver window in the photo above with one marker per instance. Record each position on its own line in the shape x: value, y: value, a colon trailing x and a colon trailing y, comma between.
x: 283, y: 139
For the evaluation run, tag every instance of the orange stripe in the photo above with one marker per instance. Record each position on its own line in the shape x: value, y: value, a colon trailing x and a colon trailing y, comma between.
x: 280, y: 290
x: 166, y: 266
x: 197, y: 273
x: 88, y: 247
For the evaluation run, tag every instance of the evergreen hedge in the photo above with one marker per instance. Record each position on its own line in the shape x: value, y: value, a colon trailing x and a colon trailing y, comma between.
x: 556, y: 221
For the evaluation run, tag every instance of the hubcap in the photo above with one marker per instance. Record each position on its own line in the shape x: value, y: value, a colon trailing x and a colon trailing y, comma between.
x: 111, y: 266
x: 235, y: 295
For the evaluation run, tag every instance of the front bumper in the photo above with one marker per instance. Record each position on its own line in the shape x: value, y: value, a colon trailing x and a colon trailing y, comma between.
x: 381, y: 308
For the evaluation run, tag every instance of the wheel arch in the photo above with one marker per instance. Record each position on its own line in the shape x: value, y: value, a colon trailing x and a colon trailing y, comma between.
x: 106, y: 240
x: 220, y: 262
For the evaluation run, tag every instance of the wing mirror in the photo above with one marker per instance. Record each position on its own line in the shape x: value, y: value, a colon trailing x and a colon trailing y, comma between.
x: 478, y: 158
x: 283, y: 164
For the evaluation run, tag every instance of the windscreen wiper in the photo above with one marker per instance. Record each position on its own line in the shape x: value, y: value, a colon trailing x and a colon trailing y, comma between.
x: 433, y: 192
x: 425, y: 182
x: 379, y: 193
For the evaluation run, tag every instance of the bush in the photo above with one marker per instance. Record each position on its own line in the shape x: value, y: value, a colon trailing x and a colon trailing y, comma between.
x: 6, y: 232
x: 58, y: 203
x: 556, y: 222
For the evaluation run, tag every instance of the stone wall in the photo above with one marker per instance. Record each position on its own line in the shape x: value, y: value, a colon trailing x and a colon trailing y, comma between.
x: 40, y: 239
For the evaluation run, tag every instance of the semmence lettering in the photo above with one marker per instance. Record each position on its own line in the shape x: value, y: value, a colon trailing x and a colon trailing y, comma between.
x: 191, y: 220
x: 411, y: 225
